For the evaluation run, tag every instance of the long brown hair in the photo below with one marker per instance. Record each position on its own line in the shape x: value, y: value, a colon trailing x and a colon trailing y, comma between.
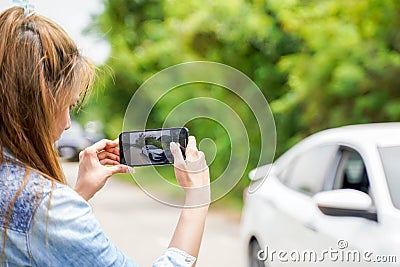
x: 41, y: 70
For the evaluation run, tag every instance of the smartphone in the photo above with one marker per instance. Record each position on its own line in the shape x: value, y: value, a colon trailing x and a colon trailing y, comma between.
x: 151, y: 147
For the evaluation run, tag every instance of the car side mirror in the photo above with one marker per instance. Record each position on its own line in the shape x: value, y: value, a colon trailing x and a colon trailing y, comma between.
x: 345, y: 202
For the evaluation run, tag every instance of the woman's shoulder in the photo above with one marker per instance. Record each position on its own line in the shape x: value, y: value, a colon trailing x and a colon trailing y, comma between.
x: 22, y: 190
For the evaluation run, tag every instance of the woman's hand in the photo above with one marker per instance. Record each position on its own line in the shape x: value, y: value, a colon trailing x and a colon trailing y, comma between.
x: 93, y: 173
x: 192, y: 174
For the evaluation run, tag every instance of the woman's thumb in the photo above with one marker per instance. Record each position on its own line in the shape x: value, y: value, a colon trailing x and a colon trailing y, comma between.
x: 121, y: 169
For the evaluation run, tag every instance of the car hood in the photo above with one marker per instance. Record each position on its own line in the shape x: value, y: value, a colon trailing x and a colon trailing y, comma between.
x: 157, y: 151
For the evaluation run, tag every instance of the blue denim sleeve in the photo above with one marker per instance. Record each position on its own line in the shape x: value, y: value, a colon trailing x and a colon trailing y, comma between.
x: 174, y: 257
x: 64, y: 232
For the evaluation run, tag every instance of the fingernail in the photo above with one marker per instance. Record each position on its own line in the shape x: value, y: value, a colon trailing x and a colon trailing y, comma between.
x: 130, y: 170
x: 173, y: 145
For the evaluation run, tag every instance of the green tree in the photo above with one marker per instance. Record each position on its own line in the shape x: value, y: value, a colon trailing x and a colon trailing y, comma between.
x: 320, y: 64
x: 148, y: 36
x: 348, y: 69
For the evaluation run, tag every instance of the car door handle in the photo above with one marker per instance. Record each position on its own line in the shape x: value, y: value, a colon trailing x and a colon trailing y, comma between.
x: 311, y: 226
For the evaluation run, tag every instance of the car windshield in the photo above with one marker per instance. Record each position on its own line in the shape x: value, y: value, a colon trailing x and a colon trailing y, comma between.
x: 390, y: 157
x: 152, y: 147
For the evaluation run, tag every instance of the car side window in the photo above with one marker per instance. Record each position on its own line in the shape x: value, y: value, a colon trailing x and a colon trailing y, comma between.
x: 308, y: 171
x: 351, y: 172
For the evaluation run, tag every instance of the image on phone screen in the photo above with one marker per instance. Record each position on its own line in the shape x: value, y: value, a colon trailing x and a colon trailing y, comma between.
x: 151, y: 147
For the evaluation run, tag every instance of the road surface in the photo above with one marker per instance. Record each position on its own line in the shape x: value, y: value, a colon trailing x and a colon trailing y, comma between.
x: 142, y: 227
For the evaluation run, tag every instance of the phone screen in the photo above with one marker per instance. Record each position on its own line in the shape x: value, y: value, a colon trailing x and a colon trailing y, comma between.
x: 151, y: 147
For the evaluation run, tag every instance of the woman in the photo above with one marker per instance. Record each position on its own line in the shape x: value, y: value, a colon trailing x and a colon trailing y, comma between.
x: 43, y: 222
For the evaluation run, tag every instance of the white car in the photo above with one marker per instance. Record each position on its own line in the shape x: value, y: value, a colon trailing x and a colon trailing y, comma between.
x: 154, y: 153
x: 331, y: 200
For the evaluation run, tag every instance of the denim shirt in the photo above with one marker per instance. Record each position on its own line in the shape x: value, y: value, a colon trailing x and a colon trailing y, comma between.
x: 51, y: 225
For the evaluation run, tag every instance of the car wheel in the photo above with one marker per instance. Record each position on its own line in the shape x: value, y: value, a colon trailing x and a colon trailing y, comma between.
x: 254, y: 248
x: 151, y: 156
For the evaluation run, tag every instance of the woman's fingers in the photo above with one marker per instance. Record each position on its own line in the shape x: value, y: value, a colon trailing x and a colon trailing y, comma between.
x: 107, y: 155
x: 114, y: 150
x: 179, y: 161
x: 102, y: 149
x: 120, y: 169
x: 104, y: 145
x: 88, y: 152
x: 197, y: 165
x: 109, y: 162
x: 191, y: 150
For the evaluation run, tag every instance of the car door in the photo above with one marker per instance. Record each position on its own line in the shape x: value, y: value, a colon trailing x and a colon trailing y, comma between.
x: 351, y: 235
x: 293, y: 228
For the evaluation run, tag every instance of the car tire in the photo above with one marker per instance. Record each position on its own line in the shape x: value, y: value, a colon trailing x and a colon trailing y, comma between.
x: 151, y: 156
x: 253, y: 260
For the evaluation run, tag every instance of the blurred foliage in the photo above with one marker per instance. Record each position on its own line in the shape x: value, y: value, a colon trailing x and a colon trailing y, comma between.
x: 347, y: 70
x: 320, y: 64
